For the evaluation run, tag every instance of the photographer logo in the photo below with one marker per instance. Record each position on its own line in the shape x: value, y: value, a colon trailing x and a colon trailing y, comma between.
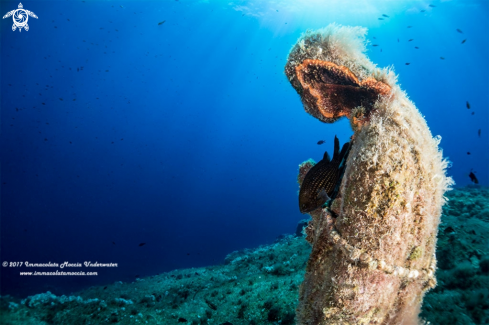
x: 20, y: 17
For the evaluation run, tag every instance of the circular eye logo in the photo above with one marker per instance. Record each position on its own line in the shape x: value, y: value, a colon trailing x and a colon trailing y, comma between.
x: 20, y: 17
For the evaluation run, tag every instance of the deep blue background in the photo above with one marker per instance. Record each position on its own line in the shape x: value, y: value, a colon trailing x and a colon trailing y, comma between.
x: 187, y: 136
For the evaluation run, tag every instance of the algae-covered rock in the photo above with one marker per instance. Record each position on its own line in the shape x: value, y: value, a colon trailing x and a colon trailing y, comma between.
x: 243, y: 292
x: 255, y: 286
x: 462, y: 293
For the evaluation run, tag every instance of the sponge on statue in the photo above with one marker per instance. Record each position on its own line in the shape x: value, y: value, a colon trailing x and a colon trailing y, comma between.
x: 373, y: 247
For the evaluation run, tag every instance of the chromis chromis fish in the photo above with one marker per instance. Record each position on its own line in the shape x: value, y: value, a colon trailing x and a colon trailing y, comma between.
x: 322, y: 179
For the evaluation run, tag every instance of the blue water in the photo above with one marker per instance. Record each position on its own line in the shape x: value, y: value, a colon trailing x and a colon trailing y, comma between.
x: 186, y: 136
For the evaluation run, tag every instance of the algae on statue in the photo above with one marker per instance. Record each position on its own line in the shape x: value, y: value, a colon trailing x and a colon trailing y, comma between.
x: 373, y: 263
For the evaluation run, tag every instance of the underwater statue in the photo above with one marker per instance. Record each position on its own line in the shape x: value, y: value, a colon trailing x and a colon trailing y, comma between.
x: 373, y: 245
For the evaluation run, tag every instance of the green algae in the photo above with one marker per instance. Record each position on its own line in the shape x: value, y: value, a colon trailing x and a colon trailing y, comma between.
x: 417, y: 252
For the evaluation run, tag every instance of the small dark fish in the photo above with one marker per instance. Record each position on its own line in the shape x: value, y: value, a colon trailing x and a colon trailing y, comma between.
x: 473, y: 178
x: 375, y: 44
x: 423, y: 10
x: 417, y: 48
x: 441, y: 57
x: 385, y: 15
x: 320, y: 142
x: 468, y: 152
x: 408, y: 63
x: 458, y: 30
x: 374, y: 37
x: 473, y: 113
x: 381, y: 18
x: 61, y: 99
x: 136, y: 276
x: 410, y: 26
x: 113, y: 243
x: 105, y: 287
x: 464, y: 41
x: 161, y: 22
x: 321, y: 180
x: 412, y: 39
x: 397, y: 40
x: 479, y: 132
x: 432, y: 6
x: 142, y: 244
x: 380, y: 50
x: 468, y: 105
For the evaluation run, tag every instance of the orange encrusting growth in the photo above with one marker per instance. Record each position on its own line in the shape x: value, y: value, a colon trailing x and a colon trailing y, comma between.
x: 325, y: 84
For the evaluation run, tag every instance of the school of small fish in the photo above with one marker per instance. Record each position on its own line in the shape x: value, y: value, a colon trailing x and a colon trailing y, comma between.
x: 472, y: 176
